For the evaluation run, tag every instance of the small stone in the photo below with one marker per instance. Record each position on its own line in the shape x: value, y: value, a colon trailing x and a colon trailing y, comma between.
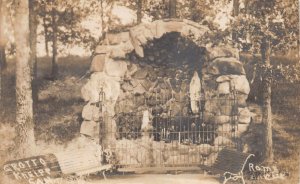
x: 211, y: 105
x: 226, y: 110
x: 208, y: 117
x: 145, y: 83
x: 139, y: 90
x: 222, y: 141
x: 126, y: 86
x: 211, y: 159
x: 118, y: 53
x: 140, y: 74
x: 226, y: 78
x: 242, y: 128
x: 98, y: 63
x: 131, y: 69
x: 225, y: 128
x: 90, y: 128
x: 244, y: 115
x: 222, y: 119
x: 134, y: 83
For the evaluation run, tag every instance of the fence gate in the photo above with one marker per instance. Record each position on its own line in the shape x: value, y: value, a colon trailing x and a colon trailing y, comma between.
x: 164, y: 132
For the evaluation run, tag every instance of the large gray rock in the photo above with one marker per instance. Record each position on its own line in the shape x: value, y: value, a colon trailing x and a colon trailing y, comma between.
x: 90, y: 128
x: 241, y: 100
x: 115, y: 68
x: 139, y: 35
x: 224, y: 88
x: 117, y: 38
x: 91, y: 112
x: 118, y: 53
x: 222, y: 51
x: 102, y: 49
x: 98, y: 63
x: 90, y: 91
x: 226, y: 66
x: 163, y: 27
x: 240, y: 84
x: 101, y: 81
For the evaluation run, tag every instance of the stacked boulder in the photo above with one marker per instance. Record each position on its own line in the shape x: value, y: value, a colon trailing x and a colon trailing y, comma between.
x: 121, y: 89
x: 226, y: 90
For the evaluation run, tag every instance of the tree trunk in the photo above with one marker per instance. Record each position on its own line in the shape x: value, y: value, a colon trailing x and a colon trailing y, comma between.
x: 25, y: 142
x: 172, y: 8
x: 236, y: 10
x: 193, y: 15
x: 139, y: 14
x: 267, y: 109
x: 54, y: 70
x: 46, y: 35
x: 2, y: 61
x: 299, y: 31
x: 2, y: 37
x: 33, y: 42
x: 2, y: 50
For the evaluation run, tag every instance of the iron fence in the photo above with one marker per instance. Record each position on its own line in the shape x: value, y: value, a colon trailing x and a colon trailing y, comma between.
x: 169, y: 139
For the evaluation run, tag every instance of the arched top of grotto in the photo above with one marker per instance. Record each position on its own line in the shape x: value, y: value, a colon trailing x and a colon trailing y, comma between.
x: 118, y: 45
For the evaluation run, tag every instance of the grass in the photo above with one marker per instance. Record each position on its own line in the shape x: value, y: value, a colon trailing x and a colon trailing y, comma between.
x: 58, y: 114
x: 286, y: 125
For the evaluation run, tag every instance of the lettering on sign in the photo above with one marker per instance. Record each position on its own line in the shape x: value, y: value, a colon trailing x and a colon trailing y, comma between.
x: 35, y: 170
x: 258, y: 172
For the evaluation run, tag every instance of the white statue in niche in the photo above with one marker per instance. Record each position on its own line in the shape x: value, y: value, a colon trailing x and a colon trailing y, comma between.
x: 146, y: 120
x: 195, y: 92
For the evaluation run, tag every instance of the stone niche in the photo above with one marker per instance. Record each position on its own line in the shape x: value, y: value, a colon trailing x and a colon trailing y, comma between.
x: 157, y: 73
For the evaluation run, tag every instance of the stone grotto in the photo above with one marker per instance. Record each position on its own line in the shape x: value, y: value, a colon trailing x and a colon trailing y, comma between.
x: 157, y: 96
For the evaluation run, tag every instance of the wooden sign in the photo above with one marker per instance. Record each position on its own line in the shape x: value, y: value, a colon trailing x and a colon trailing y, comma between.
x: 35, y: 170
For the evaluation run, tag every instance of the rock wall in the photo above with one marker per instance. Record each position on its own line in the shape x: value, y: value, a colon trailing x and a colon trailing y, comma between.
x: 141, y: 77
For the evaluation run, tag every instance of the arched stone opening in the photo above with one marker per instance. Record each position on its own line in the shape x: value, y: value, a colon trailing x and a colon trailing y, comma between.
x: 155, y: 79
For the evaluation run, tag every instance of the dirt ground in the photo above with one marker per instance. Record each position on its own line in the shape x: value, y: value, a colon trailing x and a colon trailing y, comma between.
x: 161, y: 179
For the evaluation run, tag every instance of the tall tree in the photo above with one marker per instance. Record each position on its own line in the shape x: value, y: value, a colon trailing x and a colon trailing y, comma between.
x: 33, y: 55
x: 235, y: 13
x: 139, y: 13
x: 2, y: 36
x: 25, y: 141
x: 272, y: 26
x: 2, y: 48
x: 172, y: 8
x: 54, y: 70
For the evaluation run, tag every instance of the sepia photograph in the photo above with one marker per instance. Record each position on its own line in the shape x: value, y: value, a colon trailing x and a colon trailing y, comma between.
x: 149, y: 91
